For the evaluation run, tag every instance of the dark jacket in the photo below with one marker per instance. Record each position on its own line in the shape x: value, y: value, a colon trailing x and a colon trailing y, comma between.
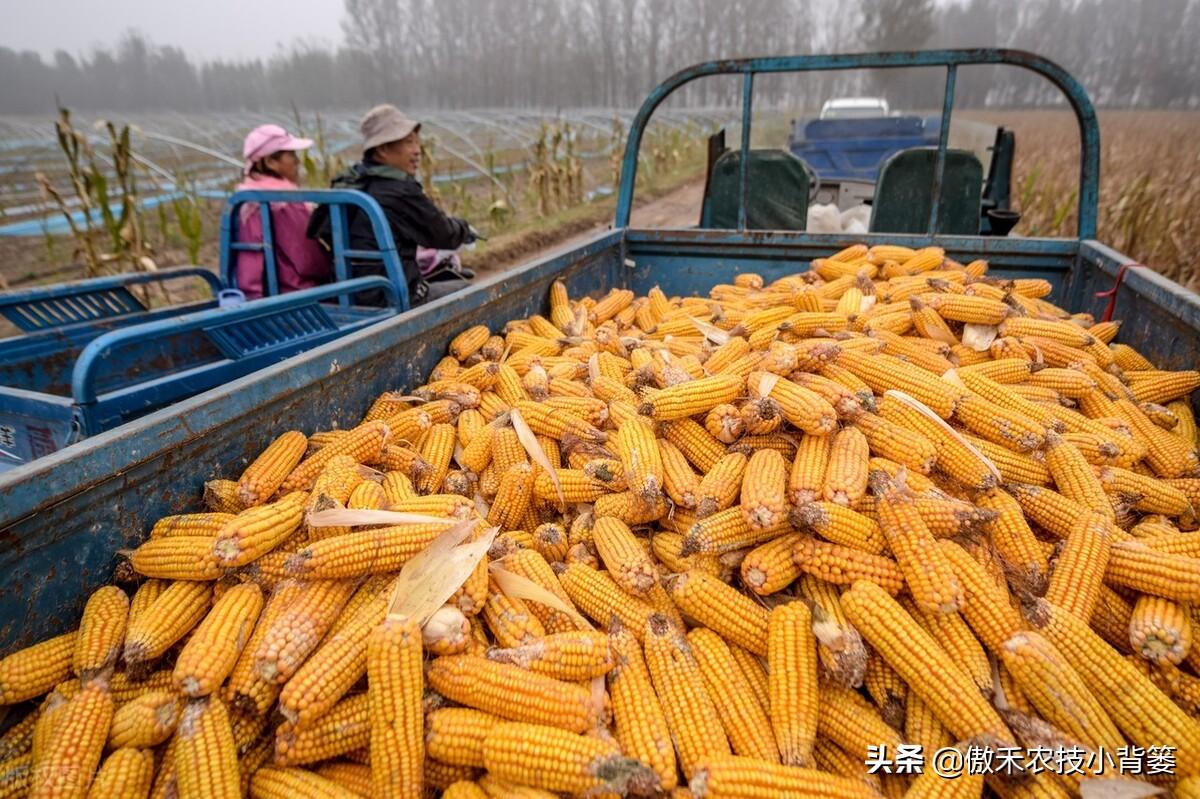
x: 414, y: 220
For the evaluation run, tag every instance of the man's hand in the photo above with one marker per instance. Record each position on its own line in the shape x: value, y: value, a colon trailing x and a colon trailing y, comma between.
x: 473, y: 235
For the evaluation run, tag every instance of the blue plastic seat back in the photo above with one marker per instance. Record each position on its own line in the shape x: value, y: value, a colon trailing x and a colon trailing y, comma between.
x: 904, y: 193
x: 776, y: 192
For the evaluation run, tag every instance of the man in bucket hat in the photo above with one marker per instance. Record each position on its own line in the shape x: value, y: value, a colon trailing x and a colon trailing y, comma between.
x: 387, y: 172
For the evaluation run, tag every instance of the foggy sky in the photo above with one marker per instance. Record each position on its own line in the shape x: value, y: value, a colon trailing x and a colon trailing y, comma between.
x: 231, y: 29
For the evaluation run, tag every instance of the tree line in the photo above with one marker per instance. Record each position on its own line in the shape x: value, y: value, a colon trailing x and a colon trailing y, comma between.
x: 608, y: 53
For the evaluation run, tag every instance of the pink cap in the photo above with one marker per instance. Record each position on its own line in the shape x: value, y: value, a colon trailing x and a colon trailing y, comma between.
x: 270, y: 139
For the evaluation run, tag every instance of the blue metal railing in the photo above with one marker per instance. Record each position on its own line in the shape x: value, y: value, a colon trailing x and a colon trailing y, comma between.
x: 91, y: 300
x: 1085, y: 114
x: 337, y: 200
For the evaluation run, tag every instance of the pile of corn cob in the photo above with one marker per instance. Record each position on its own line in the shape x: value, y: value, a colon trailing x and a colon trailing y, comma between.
x: 708, y: 547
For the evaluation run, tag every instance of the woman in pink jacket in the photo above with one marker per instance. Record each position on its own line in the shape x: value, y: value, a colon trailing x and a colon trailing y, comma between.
x: 300, y: 262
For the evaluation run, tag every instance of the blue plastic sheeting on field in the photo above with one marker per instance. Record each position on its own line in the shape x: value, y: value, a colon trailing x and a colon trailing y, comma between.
x: 58, y: 223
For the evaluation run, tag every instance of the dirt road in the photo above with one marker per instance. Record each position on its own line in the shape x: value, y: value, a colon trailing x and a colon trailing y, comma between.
x: 676, y: 209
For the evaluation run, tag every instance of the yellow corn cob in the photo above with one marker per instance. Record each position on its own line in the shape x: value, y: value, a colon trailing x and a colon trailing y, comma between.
x: 734, y: 777
x: 174, y: 613
x: 1133, y: 565
x: 363, y: 443
x: 641, y: 726
x: 255, y: 532
x: 721, y: 484
x: 884, y: 372
x: 803, y: 408
x: 297, y: 630
x: 691, y: 716
x: 394, y: 689
x: 954, y: 457
x: 1074, y: 477
x: 638, y: 449
x: 468, y: 342
x: 266, y: 474
x: 1050, y: 510
x: 667, y: 549
x: 205, y: 758
x: 967, y: 308
x: 558, y: 423
x: 744, y: 718
x: 1014, y: 467
x: 892, y: 441
x: 203, y: 524
x: 807, y: 475
x: 373, y: 551
x: 221, y: 496
x: 509, y: 619
x: 697, y: 445
x: 386, y: 404
x: 512, y: 498
x: 178, y: 557
x: 211, y: 653
x: 1162, y: 387
x: 843, y: 566
x: 125, y: 774
x: 853, y: 723
x: 146, y: 721
x: 930, y: 579
x: 1140, y: 710
x: 513, y: 693
x: 721, y: 608
x: 247, y: 690
x: 681, y: 484
x: 769, y: 568
x: 725, y: 423
x: 627, y: 562
x: 921, y: 727
x: 986, y: 605
x: 345, y: 728
x: 436, y: 449
x: 846, y: 474
x: 551, y: 541
x: 598, y: 596
x: 1143, y: 492
x: 455, y: 735
x: 792, y: 682
x: 553, y: 759
x: 840, y: 525
x: 295, y: 783
x: 839, y: 646
x: 532, y: 566
x: 1079, y: 570
x: 101, y: 632
x: 440, y: 776
x: 763, y: 490
x: 691, y: 398
x: 574, y: 656
x: 929, y: 323
x: 1012, y: 538
x: 71, y: 754
x: 940, y: 682
x: 124, y: 689
x: 1160, y: 630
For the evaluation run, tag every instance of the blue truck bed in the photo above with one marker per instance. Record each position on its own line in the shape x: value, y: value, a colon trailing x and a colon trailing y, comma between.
x: 856, y: 149
x: 63, y: 517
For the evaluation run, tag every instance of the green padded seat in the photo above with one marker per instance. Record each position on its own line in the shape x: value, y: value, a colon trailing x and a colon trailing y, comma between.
x: 904, y: 189
x: 776, y: 192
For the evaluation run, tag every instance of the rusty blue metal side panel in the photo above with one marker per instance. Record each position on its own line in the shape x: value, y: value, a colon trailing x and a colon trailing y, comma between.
x: 63, y: 517
x: 1158, y: 317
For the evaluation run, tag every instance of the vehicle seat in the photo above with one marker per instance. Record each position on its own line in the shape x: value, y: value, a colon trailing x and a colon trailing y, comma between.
x: 903, y: 193
x: 776, y: 192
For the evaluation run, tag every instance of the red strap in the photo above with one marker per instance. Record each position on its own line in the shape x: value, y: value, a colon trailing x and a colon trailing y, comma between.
x: 1112, y: 292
